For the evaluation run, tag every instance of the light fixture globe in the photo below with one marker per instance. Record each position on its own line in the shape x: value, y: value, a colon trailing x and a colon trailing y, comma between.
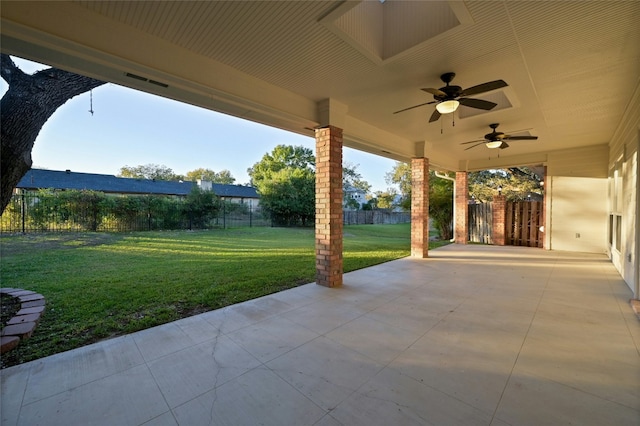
x: 447, y: 107
x: 494, y: 144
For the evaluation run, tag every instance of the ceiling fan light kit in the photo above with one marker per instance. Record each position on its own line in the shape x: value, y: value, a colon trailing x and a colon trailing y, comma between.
x: 448, y: 98
x: 493, y: 145
x: 447, y: 107
x: 497, y: 139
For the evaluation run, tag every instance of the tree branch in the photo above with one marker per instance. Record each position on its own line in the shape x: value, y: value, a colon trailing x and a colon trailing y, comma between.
x: 8, y: 69
x: 24, y: 109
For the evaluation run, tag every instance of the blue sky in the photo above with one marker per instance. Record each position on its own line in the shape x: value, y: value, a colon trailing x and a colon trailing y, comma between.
x: 131, y: 128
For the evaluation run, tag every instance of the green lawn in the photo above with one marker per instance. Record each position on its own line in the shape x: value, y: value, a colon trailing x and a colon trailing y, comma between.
x: 103, y: 285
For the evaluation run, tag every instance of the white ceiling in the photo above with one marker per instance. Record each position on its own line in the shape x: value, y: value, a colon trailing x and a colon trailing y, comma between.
x: 571, y: 67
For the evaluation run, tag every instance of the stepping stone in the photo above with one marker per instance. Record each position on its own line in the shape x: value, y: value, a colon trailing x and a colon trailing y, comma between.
x: 8, y: 342
x: 34, y: 310
x: 23, y: 330
x: 34, y: 303
x: 18, y: 292
x: 30, y: 297
x: 19, y: 319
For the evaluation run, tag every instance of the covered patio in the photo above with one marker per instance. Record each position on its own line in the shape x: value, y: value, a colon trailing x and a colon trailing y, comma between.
x: 466, y: 334
x: 473, y: 335
x: 559, y: 77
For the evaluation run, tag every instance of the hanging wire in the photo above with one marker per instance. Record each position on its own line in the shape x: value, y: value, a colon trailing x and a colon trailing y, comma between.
x: 91, y: 101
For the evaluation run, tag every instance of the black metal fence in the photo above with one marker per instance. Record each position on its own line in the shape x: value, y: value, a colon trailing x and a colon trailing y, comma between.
x: 80, y: 211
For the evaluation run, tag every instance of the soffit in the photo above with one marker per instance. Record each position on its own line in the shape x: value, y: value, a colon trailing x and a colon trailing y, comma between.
x: 571, y: 67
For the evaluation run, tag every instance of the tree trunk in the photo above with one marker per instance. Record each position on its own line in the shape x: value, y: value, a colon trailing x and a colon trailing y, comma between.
x: 27, y: 105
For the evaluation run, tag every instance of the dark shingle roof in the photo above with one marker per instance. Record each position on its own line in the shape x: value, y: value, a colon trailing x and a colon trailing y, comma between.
x: 237, y: 191
x: 53, y: 179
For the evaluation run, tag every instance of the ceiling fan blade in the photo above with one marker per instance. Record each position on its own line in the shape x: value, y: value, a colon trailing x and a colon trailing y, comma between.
x: 435, y: 92
x: 504, y: 145
x: 519, y: 138
x: 477, y: 103
x: 484, y: 87
x: 415, y: 106
x: 477, y: 140
x: 473, y: 146
x: 435, y: 116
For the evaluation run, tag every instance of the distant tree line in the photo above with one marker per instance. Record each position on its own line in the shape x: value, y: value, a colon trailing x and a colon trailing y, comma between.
x: 162, y: 172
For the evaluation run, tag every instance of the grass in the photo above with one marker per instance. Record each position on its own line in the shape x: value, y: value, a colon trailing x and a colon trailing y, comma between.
x: 99, y: 286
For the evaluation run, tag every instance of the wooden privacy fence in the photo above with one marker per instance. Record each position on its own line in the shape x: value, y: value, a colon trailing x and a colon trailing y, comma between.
x: 523, y: 220
x: 365, y: 217
x: 522, y: 223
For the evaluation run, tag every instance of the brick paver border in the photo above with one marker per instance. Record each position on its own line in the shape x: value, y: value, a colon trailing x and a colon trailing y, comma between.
x: 21, y: 325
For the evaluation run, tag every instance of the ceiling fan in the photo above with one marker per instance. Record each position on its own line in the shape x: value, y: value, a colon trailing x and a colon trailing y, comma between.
x: 448, y: 98
x: 497, y: 139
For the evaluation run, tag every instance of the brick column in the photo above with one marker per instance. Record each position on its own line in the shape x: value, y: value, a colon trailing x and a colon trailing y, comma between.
x: 462, y: 208
x: 329, y: 206
x: 420, y: 207
x: 499, y: 207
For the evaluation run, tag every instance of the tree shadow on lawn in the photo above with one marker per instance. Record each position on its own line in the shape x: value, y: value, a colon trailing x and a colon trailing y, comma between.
x: 26, y: 243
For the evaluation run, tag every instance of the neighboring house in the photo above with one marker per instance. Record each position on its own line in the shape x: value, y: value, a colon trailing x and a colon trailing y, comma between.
x: 36, y: 179
x: 355, y: 194
x: 234, y: 193
x: 397, y: 201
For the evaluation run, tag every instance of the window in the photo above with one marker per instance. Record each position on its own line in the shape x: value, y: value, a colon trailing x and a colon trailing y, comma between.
x: 615, y: 203
x: 618, y: 231
x: 610, y: 230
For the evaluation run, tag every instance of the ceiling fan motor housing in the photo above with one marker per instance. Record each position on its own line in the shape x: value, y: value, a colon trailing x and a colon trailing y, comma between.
x: 497, y: 139
x: 494, y: 136
x: 452, y: 93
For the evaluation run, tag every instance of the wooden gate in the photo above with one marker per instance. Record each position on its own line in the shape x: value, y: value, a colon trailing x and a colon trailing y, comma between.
x: 522, y: 222
x: 480, y: 223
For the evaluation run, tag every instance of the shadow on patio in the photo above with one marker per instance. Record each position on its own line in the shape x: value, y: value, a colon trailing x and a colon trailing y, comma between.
x: 473, y: 335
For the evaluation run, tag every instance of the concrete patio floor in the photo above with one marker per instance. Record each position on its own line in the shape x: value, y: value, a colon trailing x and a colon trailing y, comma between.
x: 474, y: 335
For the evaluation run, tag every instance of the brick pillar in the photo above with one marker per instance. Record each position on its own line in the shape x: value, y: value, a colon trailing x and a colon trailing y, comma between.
x: 462, y: 208
x: 499, y: 208
x: 329, y: 206
x: 420, y: 207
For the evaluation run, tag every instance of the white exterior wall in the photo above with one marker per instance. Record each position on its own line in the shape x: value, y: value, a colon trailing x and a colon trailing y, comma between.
x: 625, y: 146
x: 252, y: 203
x: 579, y: 214
x: 630, y: 224
x: 576, y: 191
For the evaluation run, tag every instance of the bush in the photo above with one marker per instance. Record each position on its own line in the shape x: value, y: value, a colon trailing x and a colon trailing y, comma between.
x: 201, y: 207
x: 74, y: 209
